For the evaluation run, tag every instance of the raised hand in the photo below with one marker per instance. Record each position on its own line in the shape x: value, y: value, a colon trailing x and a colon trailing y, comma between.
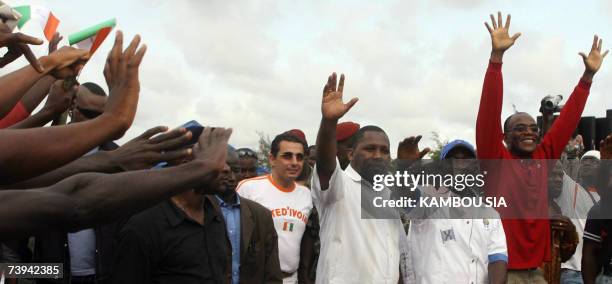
x: 332, y: 106
x: 500, y: 36
x: 59, y: 99
x: 66, y: 62
x: 17, y: 44
x: 54, y: 42
x: 144, y: 152
x: 605, y: 148
x: 592, y: 62
x: 121, y: 73
x: 212, y: 147
x: 408, y: 149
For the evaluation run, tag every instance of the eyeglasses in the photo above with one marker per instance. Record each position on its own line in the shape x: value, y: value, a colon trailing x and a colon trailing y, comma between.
x: 246, y: 153
x: 90, y: 114
x: 523, y: 128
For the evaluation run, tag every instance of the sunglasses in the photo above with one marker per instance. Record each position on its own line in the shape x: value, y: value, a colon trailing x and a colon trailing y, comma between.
x: 246, y: 153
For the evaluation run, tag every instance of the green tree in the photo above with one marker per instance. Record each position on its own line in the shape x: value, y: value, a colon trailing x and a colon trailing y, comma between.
x: 264, y: 150
x: 437, y: 149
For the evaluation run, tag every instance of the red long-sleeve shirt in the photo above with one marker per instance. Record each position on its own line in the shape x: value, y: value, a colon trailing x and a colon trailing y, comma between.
x: 523, y: 185
x: 17, y: 114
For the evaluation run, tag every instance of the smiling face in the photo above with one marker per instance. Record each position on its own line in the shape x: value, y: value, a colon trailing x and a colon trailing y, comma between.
x: 288, y: 162
x: 521, y: 135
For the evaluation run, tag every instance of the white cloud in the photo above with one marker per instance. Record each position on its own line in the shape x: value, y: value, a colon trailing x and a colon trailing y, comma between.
x: 417, y: 66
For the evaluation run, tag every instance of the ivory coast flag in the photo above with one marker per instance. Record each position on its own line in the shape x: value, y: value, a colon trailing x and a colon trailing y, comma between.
x: 91, y: 38
x: 39, y: 15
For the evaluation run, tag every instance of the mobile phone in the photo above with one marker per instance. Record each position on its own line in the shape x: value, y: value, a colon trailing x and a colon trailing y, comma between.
x: 196, y: 130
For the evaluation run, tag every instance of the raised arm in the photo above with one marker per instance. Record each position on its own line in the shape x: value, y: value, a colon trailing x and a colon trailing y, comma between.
x: 62, y: 144
x: 62, y: 63
x: 488, y: 123
x: 332, y: 109
x: 32, y: 98
x: 17, y: 44
x: 57, y: 102
x: 140, y: 153
x: 88, y: 199
x: 561, y: 131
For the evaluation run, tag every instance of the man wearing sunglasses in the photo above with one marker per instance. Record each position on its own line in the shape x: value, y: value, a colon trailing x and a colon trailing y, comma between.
x: 247, y: 162
x: 289, y: 202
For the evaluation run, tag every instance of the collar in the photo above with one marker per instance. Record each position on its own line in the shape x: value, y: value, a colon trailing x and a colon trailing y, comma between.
x: 175, y: 215
x: 280, y: 187
x: 354, y: 175
x: 222, y: 202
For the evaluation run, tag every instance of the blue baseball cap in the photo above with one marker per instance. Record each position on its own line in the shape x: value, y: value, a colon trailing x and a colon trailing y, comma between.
x: 454, y: 144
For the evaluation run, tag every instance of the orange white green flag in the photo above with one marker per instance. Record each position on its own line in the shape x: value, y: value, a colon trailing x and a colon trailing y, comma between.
x: 34, y: 14
x: 91, y: 38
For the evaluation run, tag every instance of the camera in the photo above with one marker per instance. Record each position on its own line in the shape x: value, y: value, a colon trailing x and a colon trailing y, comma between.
x: 551, y: 104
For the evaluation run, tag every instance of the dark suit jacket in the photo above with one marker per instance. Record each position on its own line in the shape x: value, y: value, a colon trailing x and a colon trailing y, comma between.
x: 259, y: 262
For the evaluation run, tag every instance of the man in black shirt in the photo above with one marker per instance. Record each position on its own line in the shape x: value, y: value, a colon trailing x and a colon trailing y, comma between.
x: 185, y: 239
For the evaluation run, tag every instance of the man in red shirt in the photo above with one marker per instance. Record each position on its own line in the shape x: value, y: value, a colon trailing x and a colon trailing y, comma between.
x: 523, y: 183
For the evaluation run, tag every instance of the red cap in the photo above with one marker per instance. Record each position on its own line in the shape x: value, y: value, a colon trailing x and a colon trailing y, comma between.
x: 298, y: 133
x: 345, y: 130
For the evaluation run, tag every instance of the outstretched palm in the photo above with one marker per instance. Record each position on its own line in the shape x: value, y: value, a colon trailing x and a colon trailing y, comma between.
x: 332, y: 105
x: 500, y: 37
x: 593, y: 61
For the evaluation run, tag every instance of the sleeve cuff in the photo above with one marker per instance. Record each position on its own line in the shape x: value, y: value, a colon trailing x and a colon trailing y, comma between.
x: 498, y: 257
x: 495, y: 66
x: 584, y: 84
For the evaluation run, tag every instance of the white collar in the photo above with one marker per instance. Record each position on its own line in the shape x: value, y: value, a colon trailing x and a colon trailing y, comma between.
x: 354, y: 175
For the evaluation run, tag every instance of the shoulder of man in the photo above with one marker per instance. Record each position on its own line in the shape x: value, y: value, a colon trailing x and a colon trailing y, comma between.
x: 147, y: 220
x: 247, y: 183
x: 256, y: 208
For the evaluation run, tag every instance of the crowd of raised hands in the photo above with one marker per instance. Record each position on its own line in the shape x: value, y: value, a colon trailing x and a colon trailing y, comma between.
x: 48, y: 181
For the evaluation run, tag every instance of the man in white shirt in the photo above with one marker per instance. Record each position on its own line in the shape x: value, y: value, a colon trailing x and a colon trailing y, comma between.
x: 289, y: 202
x: 458, y: 250
x: 353, y: 250
x: 575, y: 201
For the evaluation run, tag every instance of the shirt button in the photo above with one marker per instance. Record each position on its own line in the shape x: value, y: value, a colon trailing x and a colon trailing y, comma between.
x: 472, y: 260
x: 467, y: 222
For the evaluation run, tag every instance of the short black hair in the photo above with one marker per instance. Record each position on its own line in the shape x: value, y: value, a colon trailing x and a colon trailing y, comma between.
x: 361, y: 132
x: 507, y: 122
x: 94, y: 88
x: 275, y: 146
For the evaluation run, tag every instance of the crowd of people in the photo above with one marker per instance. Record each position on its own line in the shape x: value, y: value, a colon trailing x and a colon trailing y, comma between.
x: 175, y: 206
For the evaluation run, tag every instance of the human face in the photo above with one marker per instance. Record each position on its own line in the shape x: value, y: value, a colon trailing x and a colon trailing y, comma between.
x: 371, y: 155
x: 555, y: 181
x: 288, y: 162
x: 247, y: 168
x: 227, y: 181
x: 522, y: 136
x: 588, y: 168
x: 312, y: 157
x: 87, y: 105
x: 462, y: 160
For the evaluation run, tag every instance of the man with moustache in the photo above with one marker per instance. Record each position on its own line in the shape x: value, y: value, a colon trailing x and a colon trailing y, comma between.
x: 353, y: 250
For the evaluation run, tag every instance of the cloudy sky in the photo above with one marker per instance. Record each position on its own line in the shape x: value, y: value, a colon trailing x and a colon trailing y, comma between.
x: 416, y: 66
